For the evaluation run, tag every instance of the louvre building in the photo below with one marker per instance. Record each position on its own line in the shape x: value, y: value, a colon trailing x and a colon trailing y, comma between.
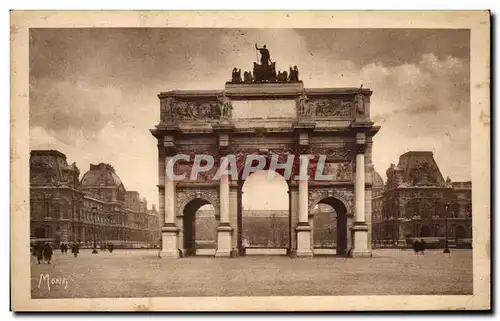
x: 416, y: 202
x: 94, y: 209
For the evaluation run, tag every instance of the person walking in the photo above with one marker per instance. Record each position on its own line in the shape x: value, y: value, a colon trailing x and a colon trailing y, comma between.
x: 423, y: 246
x: 47, y: 252
x: 416, y: 246
x: 39, y: 252
x: 75, y: 249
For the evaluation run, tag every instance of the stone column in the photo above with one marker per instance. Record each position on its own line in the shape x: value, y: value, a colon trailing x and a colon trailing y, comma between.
x: 233, y: 218
x: 303, y: 228
x: 161, y: 196
x: 170, y: 246
x: 224, y: 230
x: 360, y: 228
x: 161, y: 206
x: 239, y: 223
x: 294, y: 218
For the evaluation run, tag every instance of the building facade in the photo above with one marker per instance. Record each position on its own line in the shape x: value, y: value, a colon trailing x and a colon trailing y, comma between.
x: 418, y: 203
x: 92, y: 211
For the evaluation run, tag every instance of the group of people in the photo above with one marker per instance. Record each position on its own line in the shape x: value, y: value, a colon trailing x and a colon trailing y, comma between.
x: 109, y: 246
x: 75, y: 248
x: 43, y: 252
x: 419, y: 246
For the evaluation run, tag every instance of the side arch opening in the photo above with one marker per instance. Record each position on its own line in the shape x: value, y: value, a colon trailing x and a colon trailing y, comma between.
x: 330, y: 227
x: 199, y: 228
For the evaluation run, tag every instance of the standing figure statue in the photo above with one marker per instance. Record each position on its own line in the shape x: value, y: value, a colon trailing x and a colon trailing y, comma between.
x: 225, y: 106
x: 265, y: 57
x: 303, y: 101
x: 168, y: 107
x: 360, y: 103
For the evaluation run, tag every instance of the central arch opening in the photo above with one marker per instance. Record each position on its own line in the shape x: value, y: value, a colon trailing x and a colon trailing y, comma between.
x: 265, y: 214
x: 200, y: 228
x: 330, y: 227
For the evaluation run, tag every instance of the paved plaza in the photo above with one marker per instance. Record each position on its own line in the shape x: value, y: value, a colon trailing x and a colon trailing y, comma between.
x: 140, y: 273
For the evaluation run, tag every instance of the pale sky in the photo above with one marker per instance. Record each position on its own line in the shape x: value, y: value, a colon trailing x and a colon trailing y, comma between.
x: 93, y: 91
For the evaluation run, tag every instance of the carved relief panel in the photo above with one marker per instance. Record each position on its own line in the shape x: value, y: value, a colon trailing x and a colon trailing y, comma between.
x: 341, y: 171
x: 174, y: 109
x: 331, y: 107
x: 345, y: 195
x: 184, y: 196
x: 334, y: 153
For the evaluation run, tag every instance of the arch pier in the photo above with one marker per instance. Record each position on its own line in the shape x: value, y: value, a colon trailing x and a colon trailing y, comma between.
x: 266, y: 120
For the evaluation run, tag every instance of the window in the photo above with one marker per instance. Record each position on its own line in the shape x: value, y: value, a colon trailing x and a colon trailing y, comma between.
x: 57, y: 212
x: 468, y: 210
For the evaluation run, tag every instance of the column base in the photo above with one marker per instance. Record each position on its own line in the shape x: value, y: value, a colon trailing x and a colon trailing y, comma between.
x: 170, y: 254
x: 361, y: 254
x: 234, y: 253
x: 224, y: 232
x: 170, y: 248
x: 360, y: 246
x: 304, y: 253
x: 304, y: 240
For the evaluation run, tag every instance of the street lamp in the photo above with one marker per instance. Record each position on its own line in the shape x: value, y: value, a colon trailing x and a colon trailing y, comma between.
x: 446, y: 249
x: 94, y: 250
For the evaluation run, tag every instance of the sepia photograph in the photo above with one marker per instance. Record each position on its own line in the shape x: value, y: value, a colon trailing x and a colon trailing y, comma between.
x: 246, y: 166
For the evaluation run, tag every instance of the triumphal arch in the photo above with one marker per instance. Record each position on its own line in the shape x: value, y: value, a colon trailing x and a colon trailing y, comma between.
x: 267, y: 114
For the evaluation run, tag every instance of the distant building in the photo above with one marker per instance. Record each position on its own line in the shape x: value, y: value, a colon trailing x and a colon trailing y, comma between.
x: 96, y: 209
x: 417, y: 202
x: 324, y: 227
x: 268, y: 228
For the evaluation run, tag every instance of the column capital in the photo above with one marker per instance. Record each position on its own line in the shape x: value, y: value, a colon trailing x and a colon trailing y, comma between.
x: 360, y: 138
x: 169, y: 145
x: 303, y: 150
x: 360, y: 149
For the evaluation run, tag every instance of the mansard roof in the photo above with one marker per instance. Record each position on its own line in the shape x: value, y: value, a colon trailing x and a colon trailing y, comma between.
x: 101, y: 175
x: 51, y: 167
x: 416, y: 168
